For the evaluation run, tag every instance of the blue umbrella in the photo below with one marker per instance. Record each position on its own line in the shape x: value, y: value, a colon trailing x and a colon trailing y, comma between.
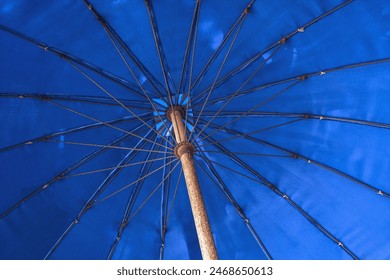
x: 275, y: 113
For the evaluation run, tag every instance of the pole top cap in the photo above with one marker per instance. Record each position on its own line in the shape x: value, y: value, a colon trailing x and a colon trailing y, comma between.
x: 174, y: 108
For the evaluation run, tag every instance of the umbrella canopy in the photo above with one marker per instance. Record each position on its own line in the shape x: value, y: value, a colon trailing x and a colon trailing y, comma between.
x: 286, y: 104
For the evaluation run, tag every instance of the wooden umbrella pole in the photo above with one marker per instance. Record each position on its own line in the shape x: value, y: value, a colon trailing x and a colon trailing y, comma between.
x: 184, y: 151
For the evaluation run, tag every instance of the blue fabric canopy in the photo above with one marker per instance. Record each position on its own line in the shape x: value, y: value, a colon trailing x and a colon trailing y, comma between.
x: 286, y: 102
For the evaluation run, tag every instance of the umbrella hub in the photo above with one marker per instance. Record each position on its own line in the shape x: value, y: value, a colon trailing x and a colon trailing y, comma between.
x: 176, y: 114
x: 184, y: 148
x: 176, y: 108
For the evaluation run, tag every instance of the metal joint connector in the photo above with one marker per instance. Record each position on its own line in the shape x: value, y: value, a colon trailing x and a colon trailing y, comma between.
x: 184, y: 148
